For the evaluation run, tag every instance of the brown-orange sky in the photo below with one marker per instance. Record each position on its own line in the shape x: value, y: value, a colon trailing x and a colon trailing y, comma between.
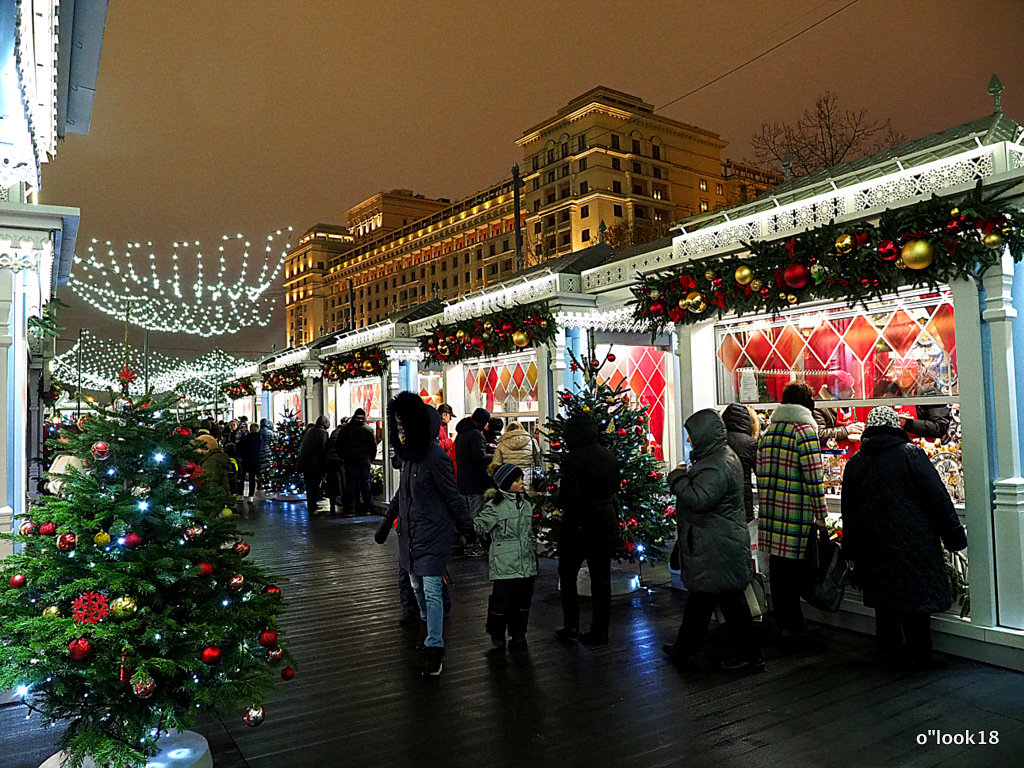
x: 222, y: 117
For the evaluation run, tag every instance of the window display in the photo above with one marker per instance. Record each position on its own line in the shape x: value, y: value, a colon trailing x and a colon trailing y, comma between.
x: 643, y: 370
x: 899, y: 352
x: 505, y: 387
x: 431, y: 387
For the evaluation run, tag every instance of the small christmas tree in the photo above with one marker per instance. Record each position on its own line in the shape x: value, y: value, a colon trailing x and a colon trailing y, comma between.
x: 646, y: 514
x: 131, y: 606
x: 284, y: 478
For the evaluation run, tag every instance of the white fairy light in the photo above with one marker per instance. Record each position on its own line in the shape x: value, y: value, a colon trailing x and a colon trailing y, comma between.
x: 114, y: 287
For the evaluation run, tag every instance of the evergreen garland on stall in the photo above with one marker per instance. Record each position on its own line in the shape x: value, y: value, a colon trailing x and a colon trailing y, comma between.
x: 930, y: 242
x: 235, y: 390
x: 506, y: 330
x: 371, y: 361
x: 646, y: 513
x: 131, y: 607
x: 283, y: 379
x: 284, y: 477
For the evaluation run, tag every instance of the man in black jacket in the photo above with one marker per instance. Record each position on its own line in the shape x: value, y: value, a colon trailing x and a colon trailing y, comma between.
x: 311, y: 461
x: 472, y: 459
x: 357, y: 448
x: 590, y: 526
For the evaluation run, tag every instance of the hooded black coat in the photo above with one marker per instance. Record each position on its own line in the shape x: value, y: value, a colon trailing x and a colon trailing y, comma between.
x: 586, y: 493
x: 896, y: 511
x: 472, y: 457
x: 739, y: 434
x: 427, y: 505
x: 714, y: 543
x: 356, y: 443
x: 312, y: 455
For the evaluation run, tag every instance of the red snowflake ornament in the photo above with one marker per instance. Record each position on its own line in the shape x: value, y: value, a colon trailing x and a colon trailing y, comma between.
x: 90, y: 608
x: 126, y: 376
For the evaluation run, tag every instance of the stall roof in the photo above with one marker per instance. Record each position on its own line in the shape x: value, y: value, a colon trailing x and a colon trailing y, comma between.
x: 574, y: 263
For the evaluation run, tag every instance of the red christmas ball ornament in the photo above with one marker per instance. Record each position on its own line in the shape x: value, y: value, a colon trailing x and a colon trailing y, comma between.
x: 66, y: 542
x: 478, y: 343
x: 241, y: 548
x: 205, y: 569
x: 624, y: 481
x: 611, y: 358
x: 566, y: 397
x: 100, y: 451
x: 640, y: 419
x: 47, y: 529
x: 507, y: 327
x: 595, y: 363
x: 287, y: 673
x: 210, y: 654
x: 268, y: 637
x: 622, y: 432
x: 145, y: 688
x: 235, y: 582
x: 796, y: 276
x: 18, y: 581
x: 657, y: 308
x: 132, y: 540
x: 271, y: 589
x: 638, y: 429
x: 28, y: 529
x: 79, y: 649
x: 274, y: 655
x: 254, y: 716
x: 555, y: 445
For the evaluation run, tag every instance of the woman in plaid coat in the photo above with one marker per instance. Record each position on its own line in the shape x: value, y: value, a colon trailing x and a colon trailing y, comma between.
x: 791, y: 492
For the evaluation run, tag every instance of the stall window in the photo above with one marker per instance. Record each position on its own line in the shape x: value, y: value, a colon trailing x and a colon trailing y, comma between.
x: 505, y: 387
x: 643, y: 371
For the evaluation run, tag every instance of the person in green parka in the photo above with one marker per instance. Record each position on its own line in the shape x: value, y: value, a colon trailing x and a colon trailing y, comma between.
x: 714, y: 545
x: 507, y: 517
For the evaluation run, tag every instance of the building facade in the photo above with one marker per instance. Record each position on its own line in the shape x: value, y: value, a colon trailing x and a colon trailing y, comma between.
x: 604, y: 166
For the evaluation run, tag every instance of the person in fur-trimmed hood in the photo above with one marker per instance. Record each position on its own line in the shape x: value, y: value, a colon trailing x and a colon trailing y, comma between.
x: 429, y: 509
x: 791, y: 491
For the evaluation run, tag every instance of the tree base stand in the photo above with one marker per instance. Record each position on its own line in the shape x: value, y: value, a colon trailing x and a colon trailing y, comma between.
x: 624, y: 582
x: 182, y: 749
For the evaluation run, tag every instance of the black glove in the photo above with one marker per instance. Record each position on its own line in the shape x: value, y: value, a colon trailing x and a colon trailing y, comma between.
x: 382, y: 532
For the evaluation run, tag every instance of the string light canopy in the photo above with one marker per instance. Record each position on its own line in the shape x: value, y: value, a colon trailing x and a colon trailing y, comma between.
x: 117, y: 285
x: 198, y: 379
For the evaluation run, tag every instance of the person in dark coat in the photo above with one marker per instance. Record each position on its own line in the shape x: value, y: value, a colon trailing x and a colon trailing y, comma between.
x: 590, y: 529
x: 741, y: 432
x: 492, y: 432
x: 216, y: 465
x: 249, y: 447
x: 897, y: 515
x: 266, y: 450
x: 333, y: 470
x: 714, y: 545
x: 473, y: 458
x: 429, y: 509
x: 311, y: 461
x: 357, y: 447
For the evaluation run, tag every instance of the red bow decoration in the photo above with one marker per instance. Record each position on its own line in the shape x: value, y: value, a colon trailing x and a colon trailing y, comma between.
x: 687, y: 283
x: 718, y: 300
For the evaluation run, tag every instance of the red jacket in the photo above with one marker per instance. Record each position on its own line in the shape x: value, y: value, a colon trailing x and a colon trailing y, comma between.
x: 448, y: 446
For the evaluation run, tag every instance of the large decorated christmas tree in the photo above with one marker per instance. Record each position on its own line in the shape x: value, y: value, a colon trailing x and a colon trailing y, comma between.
x: 283, y: 477
x: 131, y: 606
x: 646, y: 514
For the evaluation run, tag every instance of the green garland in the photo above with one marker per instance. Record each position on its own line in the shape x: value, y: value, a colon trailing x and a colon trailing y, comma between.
x: 361, y: 362
x: 283, y: 379
x: 238, y: 389
x: 507, y: 330
x: 930, y: 242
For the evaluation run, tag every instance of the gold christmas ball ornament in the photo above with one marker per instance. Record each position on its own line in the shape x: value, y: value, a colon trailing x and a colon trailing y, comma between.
x: 744, y: 275
x: 710, y: 275
x: 695, y: 302
x: 791, y: 298
x: 520, y: 339
x: 755, y: 284
x: 917, y: 254
x: 368, y: 366
x: 954, y: 212
x: 123, y: 607
x: 684, y: 303
x: 460, y: 334
x: 51, y: 612
x: 844, y: 243
x: 993, y: 240
x: 227, y: 512
x: 900, y: 264
x: 488, y: 326
x: 101, y: 539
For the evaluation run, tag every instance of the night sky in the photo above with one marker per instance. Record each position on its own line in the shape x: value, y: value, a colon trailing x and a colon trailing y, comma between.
x: 213, y: 118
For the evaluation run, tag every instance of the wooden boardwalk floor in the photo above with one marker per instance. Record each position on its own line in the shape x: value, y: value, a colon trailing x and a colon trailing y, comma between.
x: 357, y: 699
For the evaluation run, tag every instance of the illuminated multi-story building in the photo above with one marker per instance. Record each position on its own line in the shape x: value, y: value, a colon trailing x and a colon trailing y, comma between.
x: 604, y: 158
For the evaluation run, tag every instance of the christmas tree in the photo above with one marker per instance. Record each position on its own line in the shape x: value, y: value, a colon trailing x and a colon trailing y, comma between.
x: 646, y: 514
x: 283, y: 477
x: 131, y: 607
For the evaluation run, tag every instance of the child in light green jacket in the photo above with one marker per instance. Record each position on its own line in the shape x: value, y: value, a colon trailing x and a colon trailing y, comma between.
x: 507, y: 517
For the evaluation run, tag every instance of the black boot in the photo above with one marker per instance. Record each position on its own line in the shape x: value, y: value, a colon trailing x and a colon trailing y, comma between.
x: 432, y: 657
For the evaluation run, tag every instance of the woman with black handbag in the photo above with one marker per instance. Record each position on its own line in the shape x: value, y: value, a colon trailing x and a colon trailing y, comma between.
x: 897, y: 515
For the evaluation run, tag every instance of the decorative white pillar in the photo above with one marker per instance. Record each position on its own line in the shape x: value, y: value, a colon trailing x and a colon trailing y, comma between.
x: 974, y: 449
x: 8, y: 414
x: 312, y: 392
x: 1008, y: 510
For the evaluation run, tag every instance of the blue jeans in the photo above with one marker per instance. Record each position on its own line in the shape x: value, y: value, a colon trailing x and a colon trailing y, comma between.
x: 428, y: 595
x: 410, y: 607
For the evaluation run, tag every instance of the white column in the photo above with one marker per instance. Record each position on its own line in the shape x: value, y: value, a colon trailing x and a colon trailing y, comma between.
x: 974, y: 449
x: 1008, y: 512
x: 8, y: 414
